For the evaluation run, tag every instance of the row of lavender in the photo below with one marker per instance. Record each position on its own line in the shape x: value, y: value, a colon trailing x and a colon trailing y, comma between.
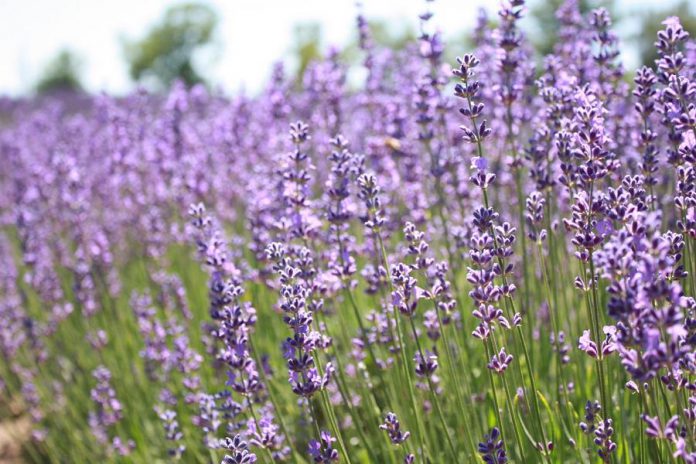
x: 393, y: 281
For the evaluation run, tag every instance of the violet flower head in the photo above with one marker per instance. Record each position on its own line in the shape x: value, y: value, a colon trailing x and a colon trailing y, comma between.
x: 172, y: 432
x: 267, y: 435
x: 500, y: 361
x: 208, y: 420
x: 369, y: 193
x: 645, y: 94
x: 296, y: 180
x: 109, y: 409
x: 122, y: 448
x: 393, y: 428
x: 592, y: 409
x: 492, y: 448
x: 107, y: 413
x: 601, y: 428
x: 603, y: 439
x: 432, y: 325
x: 426, y: 363
x: 512, y: 61
x: 239, y: 451
x: 534, y: 216
x: 468, y: 89
x: 655, y: 429
x: 406, y: 293
x: 322, y: 451
x: 304, y: 377
x: 586, y: 344
x: 668, y: 41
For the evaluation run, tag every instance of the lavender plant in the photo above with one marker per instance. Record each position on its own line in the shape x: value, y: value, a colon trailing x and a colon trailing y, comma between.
x: 510, y: 282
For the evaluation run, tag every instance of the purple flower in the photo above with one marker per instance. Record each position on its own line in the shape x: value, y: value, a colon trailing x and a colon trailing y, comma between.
x: 322, y: 451
x: 406, y: 293
x: 591, y: 411
x: 492, y: 448
x: 107, y: 413
x: 392, y: 426
x: 479, y: 163
x: 304, y: 378
x: 239, y: 452
x: 655, y: 429
x: 426, y: 364
x: 122, y: 448
x: 172, y: 432
x: 586, y: 344
x: 500, y: 361
x: 604, y: 227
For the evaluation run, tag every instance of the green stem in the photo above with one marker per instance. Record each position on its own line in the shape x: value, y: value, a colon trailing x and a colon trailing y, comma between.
x: 433, y: 393
x: 511, y: 406
x: 402, y: 348
x: 493, y: 392
x: 455, y: 378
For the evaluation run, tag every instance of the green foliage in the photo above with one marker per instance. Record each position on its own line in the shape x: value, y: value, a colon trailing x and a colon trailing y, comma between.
x: 62, y: 74
x: 166, y: 53
x: 651, y: 22
x: 383, y: 36
x: 388, y: 37
x: 307, y: 45
x: 543, y: 15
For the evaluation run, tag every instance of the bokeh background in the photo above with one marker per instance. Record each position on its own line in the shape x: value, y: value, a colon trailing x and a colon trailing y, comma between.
x: 115, y: 45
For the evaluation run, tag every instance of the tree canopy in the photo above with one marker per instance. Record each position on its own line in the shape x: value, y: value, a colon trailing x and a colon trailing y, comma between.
x: 167, y: 52
x: 62, y: 74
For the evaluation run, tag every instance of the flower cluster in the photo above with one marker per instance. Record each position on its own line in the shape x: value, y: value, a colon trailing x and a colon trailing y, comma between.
x: 107, y: 413
x: 298, y: 350
x: 393, y: 428
x: 492, y: 448
x: 322, y: 451
x: 374, y: 274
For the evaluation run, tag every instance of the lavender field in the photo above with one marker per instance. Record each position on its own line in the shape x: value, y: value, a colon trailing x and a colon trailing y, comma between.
x: 485, y: 260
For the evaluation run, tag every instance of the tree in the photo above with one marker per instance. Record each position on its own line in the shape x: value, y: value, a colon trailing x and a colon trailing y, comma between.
x: 543, y: 14
x: 383, y: 36
x: 306, y: 45
x: 393, y: 38
x: 167, y: 52
x: 62, y: 74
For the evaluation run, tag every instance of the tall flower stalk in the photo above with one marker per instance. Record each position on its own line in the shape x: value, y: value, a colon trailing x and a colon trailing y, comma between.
x: 493, y: 251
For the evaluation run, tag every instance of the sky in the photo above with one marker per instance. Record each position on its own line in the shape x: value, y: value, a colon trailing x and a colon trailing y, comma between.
x: 252, y: 34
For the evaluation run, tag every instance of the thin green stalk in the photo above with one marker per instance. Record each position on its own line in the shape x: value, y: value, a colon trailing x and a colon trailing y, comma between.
x: 511, y: 406
x: 641, y: 439
x: 402, y: 346
x: 256, y: 423
x: 340, y: 381
x: 493, y: 393
x: 353, y: 304
x: 433, y: 393
x: 600, y: 366
x: 560, y: 378
x: 274, y: 402
x: 455, y: 378
x: 656, y: 412
x: 523, y: 239
x: 315, y: 417
x: 520, y: 338
x: 330, y: 413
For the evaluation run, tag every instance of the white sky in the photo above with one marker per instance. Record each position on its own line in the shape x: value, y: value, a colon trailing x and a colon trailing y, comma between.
x: 252, y: 33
